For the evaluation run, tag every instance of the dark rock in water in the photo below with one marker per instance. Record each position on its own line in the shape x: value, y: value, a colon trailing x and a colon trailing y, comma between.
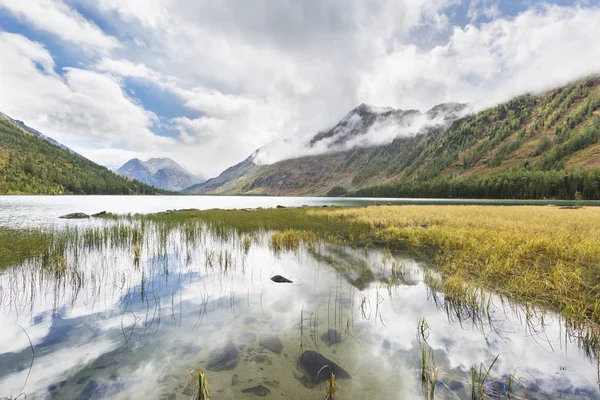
x: 99, y: 214
x: 181, y: 349
x: 224, y: 358
x: 318, y: 368
x: 235, y: 379
x: 261, y: 359
x: 272, y: 343
x: 83, y: 379
x: 455, y: 386
x: 259, y: 390
x: 77, y: 215
x: 188, y: 391
x: 280, y: 279
x: 331, y: 337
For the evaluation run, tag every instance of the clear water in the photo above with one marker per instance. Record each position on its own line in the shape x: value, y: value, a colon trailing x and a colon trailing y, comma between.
x: 33, y: 211
x: 122, y: 329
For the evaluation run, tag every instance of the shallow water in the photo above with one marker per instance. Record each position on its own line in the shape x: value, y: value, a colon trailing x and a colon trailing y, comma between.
x: 111, y: 327
x: 37, y: 211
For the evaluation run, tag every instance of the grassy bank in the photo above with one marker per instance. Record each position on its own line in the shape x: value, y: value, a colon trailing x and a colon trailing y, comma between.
x: 548, y: 256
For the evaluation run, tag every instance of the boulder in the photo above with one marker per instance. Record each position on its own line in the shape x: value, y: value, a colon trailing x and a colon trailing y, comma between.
x: 224, y: 358
x: 99, y: 214
x: 259, y: 390
x: 331, y: 337
x: 77, y: 215
x: 317, y: 369
x: 280, y: 279
x: 272, y: 343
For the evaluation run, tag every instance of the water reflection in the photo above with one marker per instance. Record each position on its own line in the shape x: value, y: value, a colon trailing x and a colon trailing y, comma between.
x: 110, y: 321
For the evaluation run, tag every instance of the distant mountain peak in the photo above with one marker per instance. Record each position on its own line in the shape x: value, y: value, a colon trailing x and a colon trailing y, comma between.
x: 359, y: 121
x: 163, y: 173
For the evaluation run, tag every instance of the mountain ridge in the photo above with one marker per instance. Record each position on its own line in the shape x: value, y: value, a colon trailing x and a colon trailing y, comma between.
x: 32, y: 164
x: 163, y: 173
x: 555, y: 130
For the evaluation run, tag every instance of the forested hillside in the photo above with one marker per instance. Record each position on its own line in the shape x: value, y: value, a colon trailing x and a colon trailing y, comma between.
x: 532, y: 147
x: 31, y: 165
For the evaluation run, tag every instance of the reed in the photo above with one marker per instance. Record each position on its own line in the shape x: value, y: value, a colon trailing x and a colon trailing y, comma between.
x: 543, y: 256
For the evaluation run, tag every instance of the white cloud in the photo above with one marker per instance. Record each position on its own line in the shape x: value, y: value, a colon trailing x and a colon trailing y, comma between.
x: 535, y: 51
x: 125, y: 68
x: 81, y: 106
x: 55, y: 17
x: 152, y: 13
x: 286, y: 68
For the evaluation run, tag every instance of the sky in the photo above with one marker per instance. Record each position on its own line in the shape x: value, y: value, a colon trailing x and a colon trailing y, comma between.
x: 208, y: 82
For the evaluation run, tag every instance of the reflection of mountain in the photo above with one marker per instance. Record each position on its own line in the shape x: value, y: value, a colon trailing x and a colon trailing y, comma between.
x: 162, y: 173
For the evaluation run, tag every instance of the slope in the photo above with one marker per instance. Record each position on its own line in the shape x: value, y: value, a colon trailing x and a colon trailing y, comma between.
x: 30, y: 164
x: 534, y: 146
x: 340, y: 153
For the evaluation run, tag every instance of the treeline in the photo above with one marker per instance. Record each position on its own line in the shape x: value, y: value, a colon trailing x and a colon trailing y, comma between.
x: 515, y: 184
x: 31, y: 165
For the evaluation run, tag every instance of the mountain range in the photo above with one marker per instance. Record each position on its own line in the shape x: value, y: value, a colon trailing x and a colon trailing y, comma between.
x: 544, y: 145
x: 162, y: 173
x: 340, y: 152
x: 545, y: 140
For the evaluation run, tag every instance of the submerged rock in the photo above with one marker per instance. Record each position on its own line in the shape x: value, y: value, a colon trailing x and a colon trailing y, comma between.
x: 259, y: 390
x: 77, y: 215
x: 261, y: 359
x: 224, y: 358
x: 272, y: 343
x: 317, y: 368
x: 331, y: 337
x: 247, y: 337
x: 181, y: 349
x: 280, y: 279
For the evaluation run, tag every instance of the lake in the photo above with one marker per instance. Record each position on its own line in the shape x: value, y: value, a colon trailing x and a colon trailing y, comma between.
x: 35, y: 211
x: 135, y: 307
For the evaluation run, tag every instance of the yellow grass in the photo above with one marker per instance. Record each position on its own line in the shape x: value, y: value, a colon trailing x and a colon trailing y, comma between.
x: 546, y: 255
